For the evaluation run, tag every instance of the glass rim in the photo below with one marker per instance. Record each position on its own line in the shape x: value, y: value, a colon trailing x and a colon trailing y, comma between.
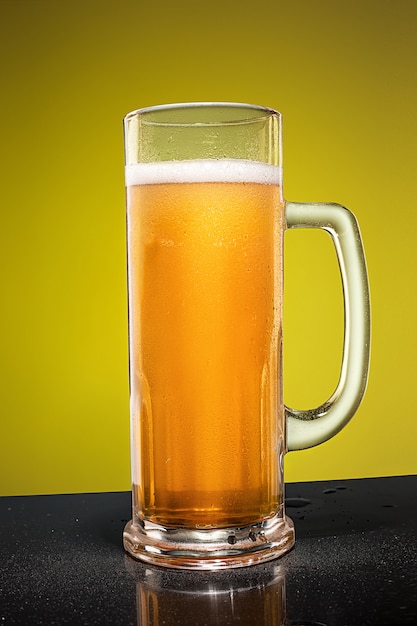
x: 265, y: 113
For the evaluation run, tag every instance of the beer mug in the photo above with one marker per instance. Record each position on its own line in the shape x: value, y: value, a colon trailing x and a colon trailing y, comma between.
x: 205, y: 223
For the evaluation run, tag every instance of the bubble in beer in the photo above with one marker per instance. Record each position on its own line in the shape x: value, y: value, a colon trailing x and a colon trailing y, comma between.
x: 203, y: 170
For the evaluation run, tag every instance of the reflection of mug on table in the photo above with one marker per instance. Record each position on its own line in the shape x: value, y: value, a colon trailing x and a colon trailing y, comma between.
x: 162, y: 598
x: 206, y: 219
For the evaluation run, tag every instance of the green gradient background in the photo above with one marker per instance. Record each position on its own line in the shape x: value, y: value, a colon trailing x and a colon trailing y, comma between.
x: 343, y: 74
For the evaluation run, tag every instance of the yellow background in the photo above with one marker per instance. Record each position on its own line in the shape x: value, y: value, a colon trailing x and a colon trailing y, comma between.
x: 342, y: 73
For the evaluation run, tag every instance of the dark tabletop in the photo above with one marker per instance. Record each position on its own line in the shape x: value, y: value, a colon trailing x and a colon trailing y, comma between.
x: 354, y: 563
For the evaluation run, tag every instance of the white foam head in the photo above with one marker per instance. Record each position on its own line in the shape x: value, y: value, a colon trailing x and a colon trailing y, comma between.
x: 203, y: 171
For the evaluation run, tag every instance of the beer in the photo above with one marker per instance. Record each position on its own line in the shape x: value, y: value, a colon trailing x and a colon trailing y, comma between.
x: 205, y: 289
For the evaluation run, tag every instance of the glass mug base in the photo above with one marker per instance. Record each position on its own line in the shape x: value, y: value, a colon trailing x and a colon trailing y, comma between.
x: 209, y: 549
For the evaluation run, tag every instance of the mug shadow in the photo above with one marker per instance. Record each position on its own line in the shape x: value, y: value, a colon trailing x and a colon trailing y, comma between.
x: 109, y: 516
x: 346, y: 507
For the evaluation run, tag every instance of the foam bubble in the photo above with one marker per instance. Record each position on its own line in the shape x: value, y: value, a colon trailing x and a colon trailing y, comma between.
x: 203, y: 171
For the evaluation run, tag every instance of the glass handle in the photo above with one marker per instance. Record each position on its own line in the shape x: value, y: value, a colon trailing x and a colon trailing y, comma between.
x: 311, y: 427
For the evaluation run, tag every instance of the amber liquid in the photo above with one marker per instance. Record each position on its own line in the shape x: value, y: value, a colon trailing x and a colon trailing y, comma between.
x: 205, y: 291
